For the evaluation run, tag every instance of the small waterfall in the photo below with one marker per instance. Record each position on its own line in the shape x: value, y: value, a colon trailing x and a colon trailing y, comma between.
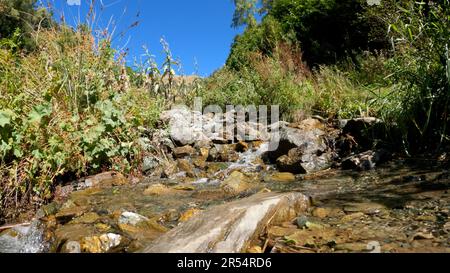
x: 246, y: 160
x: 23, y: 239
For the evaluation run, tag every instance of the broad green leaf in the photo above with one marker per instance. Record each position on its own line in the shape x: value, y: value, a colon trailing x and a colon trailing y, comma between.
x: 5, y: 117
x: 39, y: 112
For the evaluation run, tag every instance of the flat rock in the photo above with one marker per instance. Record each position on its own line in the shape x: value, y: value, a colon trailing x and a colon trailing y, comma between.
x: 180, y: 152
x: 236, y: 183
x: 106, y: 179
x: 232, y: 227
x: 366, y: 161
x: 280, y: 177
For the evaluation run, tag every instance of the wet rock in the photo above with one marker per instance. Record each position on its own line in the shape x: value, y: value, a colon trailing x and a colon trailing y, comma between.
x: 312, y: 225
x: 223, y: 153
x: 158, y: 189
x: 73, y: 232
x: 71, y: 247
x: 87, y: 218
x: 447, y: 227
x: 236, y: 183
x: 241, y: 147
x: 67, y: 214
x: 299, y: 162
x: 312, y: 238
x: 102, y: 227
x: 362, y: 132
x: 241, y: 220
x: 131, y: 218
x: 188, y: 214
x: 184, y: 188
x: 277, y: 231
x: 366, y: 161
x: 427, y: 218
x: 149, y: 163
x: 321, y: 212
x: 184, y: 151
x: 290, y: 138
x: 147, y: 230
x: 299, y: 151
x: 49, y: 209
x: 366, y: 208
x: 308, y: 124
x: 185, y: 166
x: 255, y: 250
x: 63, y: 192
x: 292, y: 162
x: 422, y: 236
x: 185, y: 127
x: 352, y: 247
x: 171, y: 215
x: 250, y: 131
x: 305, y: 222
x: 280, y: 177
x: 106, y: 179
x: 301, y: 221
x: 200, y: 161
x: 169, y: 169
x: 100, y: 244
x: 352, y: 216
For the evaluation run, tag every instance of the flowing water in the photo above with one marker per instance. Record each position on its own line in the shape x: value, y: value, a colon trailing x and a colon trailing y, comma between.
x: 399, y: 207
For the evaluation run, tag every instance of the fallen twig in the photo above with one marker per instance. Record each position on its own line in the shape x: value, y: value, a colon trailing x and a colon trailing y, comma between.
x: 13, y: 226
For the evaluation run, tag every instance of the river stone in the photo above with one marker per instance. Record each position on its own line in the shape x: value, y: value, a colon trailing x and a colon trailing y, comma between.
x: 280, y: 177
x: 158, y: 189
x: 299, y: 151
x: 185, y: 126
x: 321, y: 212
x: 236, y: 183
x: 67, y: 214
x: 87, y: 218
x: 365, y: 161
x: 180, y: 152
x: 241, y: 147
x: 185, y: 166
x: 100, y: 244
x: 366, y: 208
x: 232, y: 227
x: 106, y: 179
x: 149, y: 163
x: 131, y: 218
x: 185, y: 216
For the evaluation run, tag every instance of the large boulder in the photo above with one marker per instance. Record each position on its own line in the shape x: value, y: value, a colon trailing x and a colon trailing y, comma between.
x: 232, y: 227
x: 302, y: 149
x: 185, y: 126
x: 359, y: 134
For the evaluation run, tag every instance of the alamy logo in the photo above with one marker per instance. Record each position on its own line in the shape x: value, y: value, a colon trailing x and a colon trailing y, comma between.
x: 237, y: 123
x: 74, y: 2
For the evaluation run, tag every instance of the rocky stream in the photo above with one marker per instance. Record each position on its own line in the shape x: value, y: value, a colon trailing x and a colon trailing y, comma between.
x: 326, y: 187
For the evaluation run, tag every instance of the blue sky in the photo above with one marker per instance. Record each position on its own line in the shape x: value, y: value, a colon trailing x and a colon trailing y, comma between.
x: 199, y: 32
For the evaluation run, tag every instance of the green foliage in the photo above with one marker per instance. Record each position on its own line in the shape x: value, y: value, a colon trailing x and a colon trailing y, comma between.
x: 327, y: 30
x: 262, y: 39
x: 390, y: 60
x: 22, y: 16
x: 420, y: 32
x: 66, y: 110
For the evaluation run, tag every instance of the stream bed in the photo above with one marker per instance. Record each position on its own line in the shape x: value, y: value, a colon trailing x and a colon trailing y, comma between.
x: 395, y: 208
